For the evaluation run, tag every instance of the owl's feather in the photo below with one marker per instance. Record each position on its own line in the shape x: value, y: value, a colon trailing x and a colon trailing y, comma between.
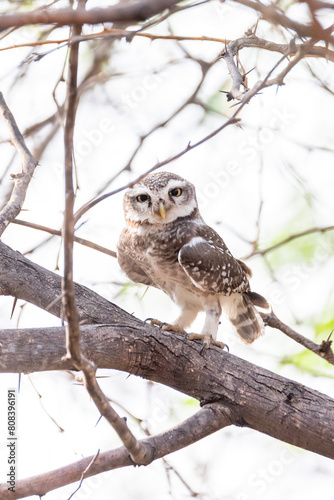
x: 211, y: 267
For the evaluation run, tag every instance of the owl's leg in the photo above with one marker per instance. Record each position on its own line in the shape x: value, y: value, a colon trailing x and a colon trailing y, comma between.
x: 210, y: 329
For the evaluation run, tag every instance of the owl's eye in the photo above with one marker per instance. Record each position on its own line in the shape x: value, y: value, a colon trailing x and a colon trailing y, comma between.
x: 142, y: 197
x: 175, y: 192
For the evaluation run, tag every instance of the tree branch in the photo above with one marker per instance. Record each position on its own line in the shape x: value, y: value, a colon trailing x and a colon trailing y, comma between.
x: 56, y: 232
x: 274, y: 15
x: 292, y: 237
x: 22, y: 180
x: 130, y: 12
x: 257, y: 398
x: 189, y: 147
x: 140, y: 453
x: 324, y: 350
x: 250, y: 40
x: 206, y: 421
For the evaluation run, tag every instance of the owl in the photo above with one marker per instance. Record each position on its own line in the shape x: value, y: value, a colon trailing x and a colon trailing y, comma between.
x: 166, y: 244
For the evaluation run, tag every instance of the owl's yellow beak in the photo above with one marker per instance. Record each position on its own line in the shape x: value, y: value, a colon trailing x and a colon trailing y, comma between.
x: 162, y: 210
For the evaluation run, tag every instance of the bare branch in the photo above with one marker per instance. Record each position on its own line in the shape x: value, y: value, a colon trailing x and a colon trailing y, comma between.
x: 68, y: 292
x: 21, y: 180
x: 324, y: 350
x: 250, y: 40
x: 189, y: 147
x: 256, y: 397
x: 209, y: 419
x: 275, y: 15
x: 286, y: 240
x: 140, y: 453
x: 238, y: 78
x: 76, y: 239
x: 130, y: 12
x: 84, y: 474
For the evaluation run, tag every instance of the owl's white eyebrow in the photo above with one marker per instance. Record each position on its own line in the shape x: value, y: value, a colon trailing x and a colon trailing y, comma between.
x: 174, y: 183
x: 139, y: 190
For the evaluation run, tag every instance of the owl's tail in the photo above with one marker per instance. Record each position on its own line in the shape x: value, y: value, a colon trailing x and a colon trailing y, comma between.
x: 244, y: 316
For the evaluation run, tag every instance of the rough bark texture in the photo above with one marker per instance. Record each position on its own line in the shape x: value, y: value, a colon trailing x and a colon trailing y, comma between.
x: 254, y: 396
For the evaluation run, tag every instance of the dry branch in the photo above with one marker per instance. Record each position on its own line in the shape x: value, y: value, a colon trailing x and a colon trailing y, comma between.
x: 21, y: 180
x: 274, y: 15
x: 139, y: 452
x: 232, y: 120
x: 254, y: 396
x: 292, y: 237
x: 250, y: 40
x: 56, y: 232
x: 258, y: 398
x: 208, y: 420
x: 129, y: 12
x: 144, y: 9
x: 324, y: 350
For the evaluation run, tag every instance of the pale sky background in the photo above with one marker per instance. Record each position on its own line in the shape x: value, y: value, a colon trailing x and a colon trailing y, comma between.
x: 283, y: 154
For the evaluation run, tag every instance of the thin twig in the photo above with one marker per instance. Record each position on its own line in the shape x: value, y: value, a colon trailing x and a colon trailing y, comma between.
x: 21, y: 180
x: 83, y: 475
x: 76, y: 239
x: 189, y: 147
x: 292, y: 237
x: 250, y: 40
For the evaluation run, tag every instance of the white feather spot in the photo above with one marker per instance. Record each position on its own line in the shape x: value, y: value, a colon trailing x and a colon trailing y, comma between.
x: 195, y: 241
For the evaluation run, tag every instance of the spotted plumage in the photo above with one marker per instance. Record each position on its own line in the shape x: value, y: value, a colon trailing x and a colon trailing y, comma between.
x: 167, y: 244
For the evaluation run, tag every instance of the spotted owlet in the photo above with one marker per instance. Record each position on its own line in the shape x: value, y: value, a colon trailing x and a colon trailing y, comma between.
x: 167, y: 244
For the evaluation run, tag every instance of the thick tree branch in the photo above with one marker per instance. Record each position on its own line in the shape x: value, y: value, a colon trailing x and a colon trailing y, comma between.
x: 22, y: 180
x: 257, y: 398
x: 208, y: 420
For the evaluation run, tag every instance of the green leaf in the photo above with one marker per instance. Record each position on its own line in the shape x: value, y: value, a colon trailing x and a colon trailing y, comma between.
x: 307, y: 361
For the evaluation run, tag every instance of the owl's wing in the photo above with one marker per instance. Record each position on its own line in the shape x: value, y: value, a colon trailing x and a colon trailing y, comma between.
x: 132, y: 269
x: 212, y: 267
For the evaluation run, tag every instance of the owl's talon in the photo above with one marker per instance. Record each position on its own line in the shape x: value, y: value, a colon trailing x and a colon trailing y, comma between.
x: 207, y: 340
x: 204, y: 346
x: 162, y: 325
x: 153, y: 322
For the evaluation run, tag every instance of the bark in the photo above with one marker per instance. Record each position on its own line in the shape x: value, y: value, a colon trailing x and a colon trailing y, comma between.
x: 255, y: 397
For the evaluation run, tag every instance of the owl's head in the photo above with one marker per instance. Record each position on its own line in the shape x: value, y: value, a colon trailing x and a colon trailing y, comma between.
x: 160, y: 198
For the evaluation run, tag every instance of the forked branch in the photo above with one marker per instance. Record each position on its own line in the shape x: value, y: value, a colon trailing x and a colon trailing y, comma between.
x: 21, y: 181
